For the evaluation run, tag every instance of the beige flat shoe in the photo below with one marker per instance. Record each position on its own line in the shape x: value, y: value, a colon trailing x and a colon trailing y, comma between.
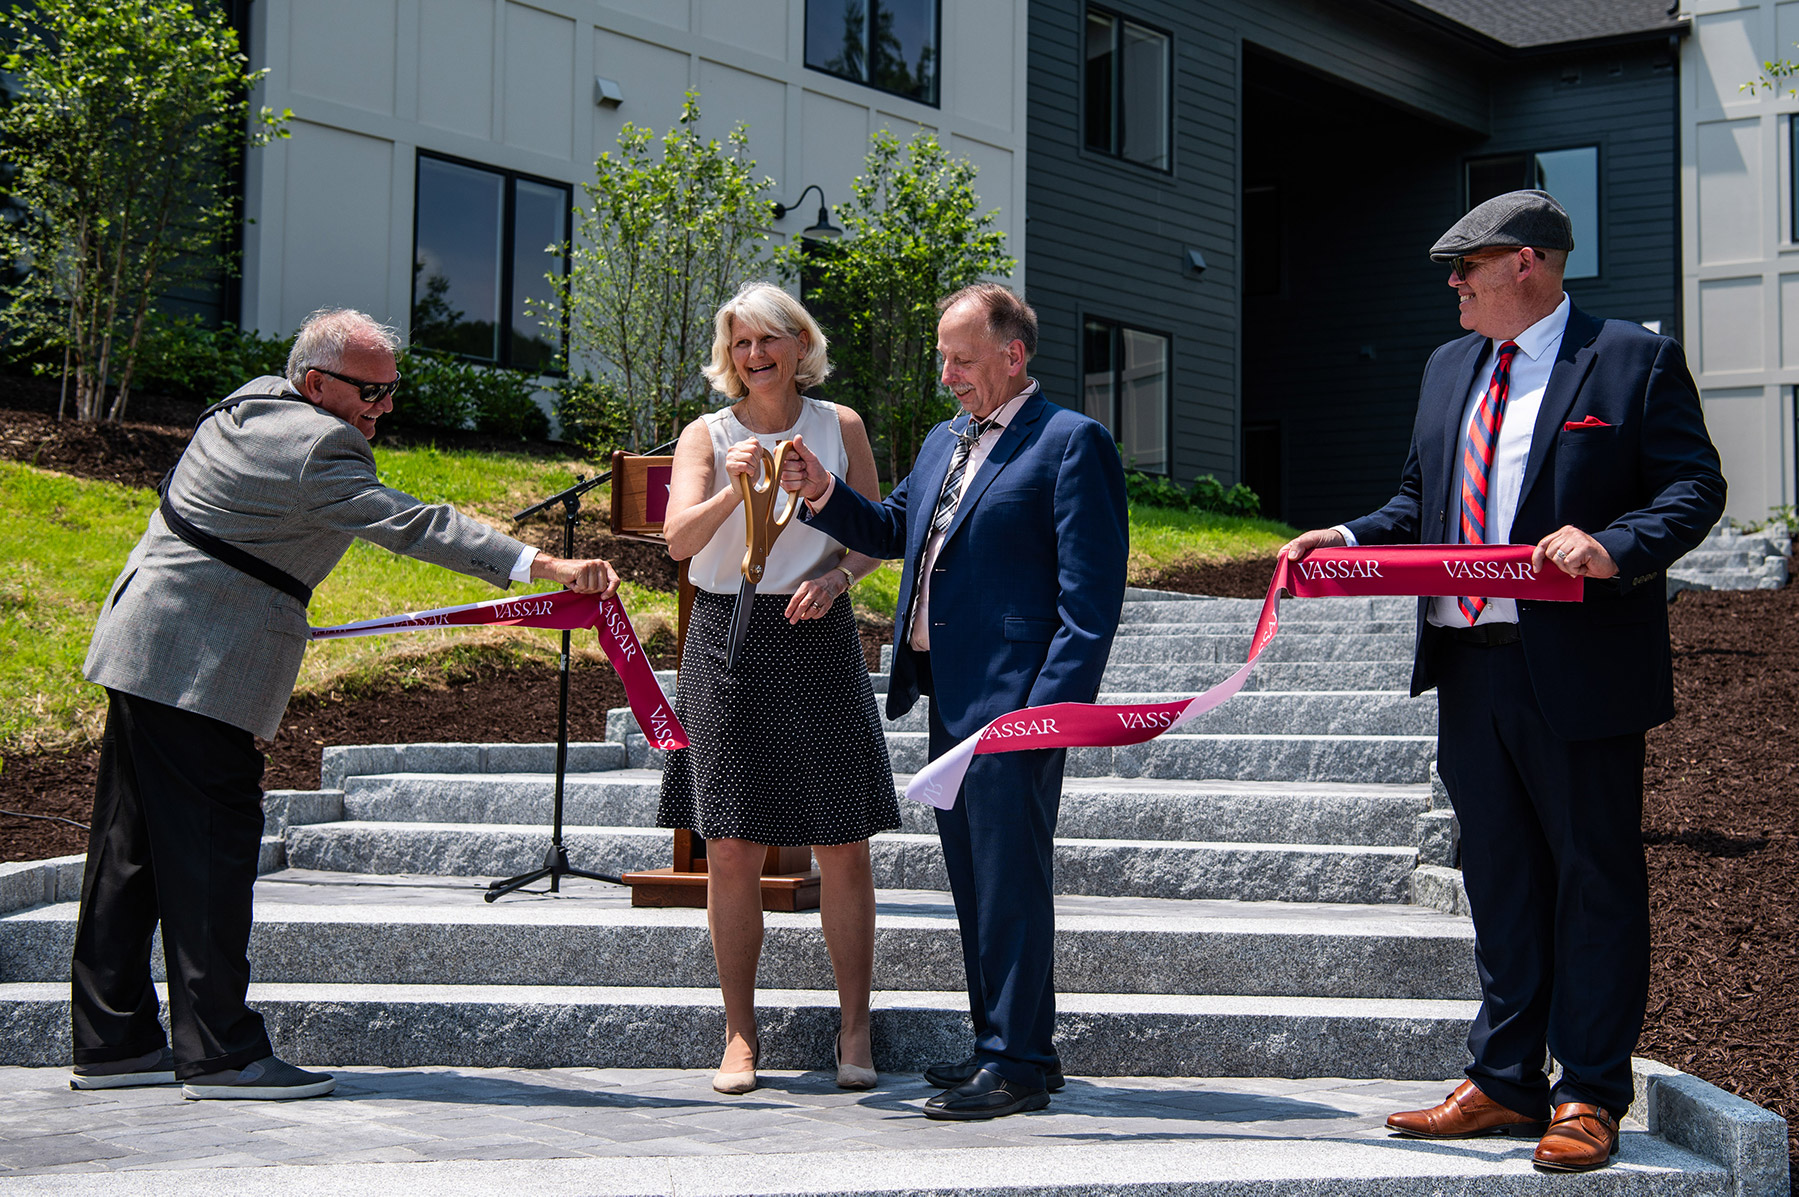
x: 851, y: 1076
x: 735, y: 1083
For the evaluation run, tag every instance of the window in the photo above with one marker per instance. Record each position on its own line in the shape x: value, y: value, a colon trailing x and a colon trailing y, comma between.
x: 1126, y: 88
x: 481, y: 241
x: 1571, y: 176
x: 1125, y: 387
x: 1793, y: 166
x: 887, y: 44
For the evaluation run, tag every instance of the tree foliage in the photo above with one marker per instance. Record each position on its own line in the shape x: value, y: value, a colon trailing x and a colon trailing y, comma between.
x: 661, y: 244
x: 913, y: 234
x: 125, y: 118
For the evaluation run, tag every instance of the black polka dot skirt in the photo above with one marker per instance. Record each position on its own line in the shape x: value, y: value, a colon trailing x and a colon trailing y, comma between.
x: 788, y: 749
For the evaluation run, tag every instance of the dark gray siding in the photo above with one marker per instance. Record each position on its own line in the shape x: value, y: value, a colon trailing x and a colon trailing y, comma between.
x: 1627, y: 104
x: 1362, y: 119
x: 1107, y: 238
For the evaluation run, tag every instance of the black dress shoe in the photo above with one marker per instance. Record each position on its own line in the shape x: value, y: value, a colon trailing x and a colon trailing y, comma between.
x: 960, y: 1072
x: 988, y: 1095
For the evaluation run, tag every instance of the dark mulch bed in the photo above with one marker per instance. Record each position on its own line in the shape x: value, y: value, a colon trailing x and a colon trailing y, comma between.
x: 1720, y: 820
x: 1226, y: 579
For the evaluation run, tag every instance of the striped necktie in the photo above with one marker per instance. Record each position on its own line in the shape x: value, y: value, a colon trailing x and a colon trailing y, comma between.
x: 950, y: 497
x: 1477, y: 462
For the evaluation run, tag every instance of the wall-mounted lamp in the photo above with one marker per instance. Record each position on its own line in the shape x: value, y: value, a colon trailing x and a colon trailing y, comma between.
x: 822, y: 229
x: 607, y: 93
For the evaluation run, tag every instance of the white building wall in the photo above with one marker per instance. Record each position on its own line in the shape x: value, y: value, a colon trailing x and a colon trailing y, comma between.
x: 511, y: 85
x: 1739, y: 261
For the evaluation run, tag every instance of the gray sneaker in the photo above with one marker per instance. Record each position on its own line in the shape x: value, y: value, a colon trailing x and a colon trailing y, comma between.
x: 268, y: 1079
x: 155, y: 1068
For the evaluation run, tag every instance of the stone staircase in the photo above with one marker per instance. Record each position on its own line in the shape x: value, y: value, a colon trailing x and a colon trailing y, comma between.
x: 1734, y: 558
x: 1269, y: 893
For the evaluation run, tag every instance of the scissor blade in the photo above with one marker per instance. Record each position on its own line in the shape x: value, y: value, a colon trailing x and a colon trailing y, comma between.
x: 740, y: 623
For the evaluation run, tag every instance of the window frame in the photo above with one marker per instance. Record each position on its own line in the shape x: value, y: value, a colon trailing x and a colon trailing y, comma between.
x: 1793, y: 178
x: 508, y: 256
x: 1117, y: 329
x: 1530, y: 156
x: 936, y: 100
x: 1119, y: 19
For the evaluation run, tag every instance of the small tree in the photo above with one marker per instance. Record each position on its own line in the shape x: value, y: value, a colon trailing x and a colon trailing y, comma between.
x: 913, y: 234
x: 660, y: 246
x: 125, y: 118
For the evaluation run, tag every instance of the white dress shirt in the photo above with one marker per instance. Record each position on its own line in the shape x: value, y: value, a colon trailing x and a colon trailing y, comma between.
x: 977, y: 456
x: 1538, y: 346
x: 920, y: 636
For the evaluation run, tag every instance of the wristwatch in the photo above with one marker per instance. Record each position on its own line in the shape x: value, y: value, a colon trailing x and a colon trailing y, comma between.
x: 849, y: 579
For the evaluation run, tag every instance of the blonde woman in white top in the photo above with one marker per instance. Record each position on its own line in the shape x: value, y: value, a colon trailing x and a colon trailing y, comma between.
x: 787, y: 749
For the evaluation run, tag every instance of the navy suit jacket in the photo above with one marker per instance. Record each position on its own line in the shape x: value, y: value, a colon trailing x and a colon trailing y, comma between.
x: 1030, y: 580
x: 1641, y: 477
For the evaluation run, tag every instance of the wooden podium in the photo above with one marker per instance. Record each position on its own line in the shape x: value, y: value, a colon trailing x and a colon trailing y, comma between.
x: 789, y: 882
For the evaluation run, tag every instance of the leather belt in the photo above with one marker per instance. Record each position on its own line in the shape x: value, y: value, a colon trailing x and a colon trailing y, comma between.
x: 1485, y: 635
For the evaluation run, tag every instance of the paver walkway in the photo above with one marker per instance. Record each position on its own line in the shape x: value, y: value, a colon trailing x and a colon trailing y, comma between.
x: 422, y: 1114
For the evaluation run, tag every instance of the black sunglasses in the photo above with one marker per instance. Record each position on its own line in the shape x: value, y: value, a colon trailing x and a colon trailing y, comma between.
x: 368, y: 392
x: 1461, y: 264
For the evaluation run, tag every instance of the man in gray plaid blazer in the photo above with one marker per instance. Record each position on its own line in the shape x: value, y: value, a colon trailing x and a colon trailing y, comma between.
x: 198, y: 644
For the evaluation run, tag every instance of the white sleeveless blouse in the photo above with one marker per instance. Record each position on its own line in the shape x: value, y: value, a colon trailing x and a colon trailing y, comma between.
x: 802, y: 552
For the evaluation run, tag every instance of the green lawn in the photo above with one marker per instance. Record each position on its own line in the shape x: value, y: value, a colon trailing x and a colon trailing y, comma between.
x: 62, y: 541
x: 1161, y: 537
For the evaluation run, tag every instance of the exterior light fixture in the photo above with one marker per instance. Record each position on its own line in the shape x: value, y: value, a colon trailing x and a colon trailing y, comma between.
x: 822, y: 229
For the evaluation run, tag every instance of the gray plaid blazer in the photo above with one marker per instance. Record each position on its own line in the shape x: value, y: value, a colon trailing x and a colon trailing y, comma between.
x: 293, y: 485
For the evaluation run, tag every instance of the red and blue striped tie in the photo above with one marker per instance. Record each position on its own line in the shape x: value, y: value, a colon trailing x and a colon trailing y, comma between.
x: 1477, y: 462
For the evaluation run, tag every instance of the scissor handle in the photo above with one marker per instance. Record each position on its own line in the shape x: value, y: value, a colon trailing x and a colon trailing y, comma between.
x: 761, y: 526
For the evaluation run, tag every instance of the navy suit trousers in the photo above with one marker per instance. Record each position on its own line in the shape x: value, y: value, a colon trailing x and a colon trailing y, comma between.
x: 1552, y: 857
x: 998, y: 847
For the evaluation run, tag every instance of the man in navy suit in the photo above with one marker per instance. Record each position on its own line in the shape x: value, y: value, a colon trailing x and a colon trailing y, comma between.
x: 1013, y: 529
x: 1585, y: 438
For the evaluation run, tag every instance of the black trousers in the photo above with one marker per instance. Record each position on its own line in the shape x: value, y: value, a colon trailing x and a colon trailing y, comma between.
x: 176, y: 829
x: 998, y: 848
x: 1552, y: 857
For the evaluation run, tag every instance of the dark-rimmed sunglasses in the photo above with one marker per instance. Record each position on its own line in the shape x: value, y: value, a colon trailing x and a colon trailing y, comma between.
x: 368, y: 392
x: 1462, y: 263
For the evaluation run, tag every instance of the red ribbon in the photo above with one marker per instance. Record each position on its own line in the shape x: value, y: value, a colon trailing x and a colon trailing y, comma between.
x: 563, y: 610
x: 1492, y: 571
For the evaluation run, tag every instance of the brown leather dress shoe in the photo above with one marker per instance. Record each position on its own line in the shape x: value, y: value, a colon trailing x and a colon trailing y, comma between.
x: 1465, y: 1114
x: 1580, y: 1138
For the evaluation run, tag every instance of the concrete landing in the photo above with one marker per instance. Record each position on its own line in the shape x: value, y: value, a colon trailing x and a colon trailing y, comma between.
x: 613, y: 1131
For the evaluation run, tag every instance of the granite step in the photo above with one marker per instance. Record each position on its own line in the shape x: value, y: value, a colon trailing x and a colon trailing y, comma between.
x: 1150, y: 647
x: 1294, y: 713
x: 316, y: 926
x: 559, y: 1026
x: 1191, y: 677
x: 1092, y: 807
x: 1205, y: 609
x: 1339, y: 758
x: 1248, y: 872
x: 1301, y: 712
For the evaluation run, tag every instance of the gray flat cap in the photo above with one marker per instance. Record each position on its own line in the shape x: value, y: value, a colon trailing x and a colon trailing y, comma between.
x: 1516, y: 218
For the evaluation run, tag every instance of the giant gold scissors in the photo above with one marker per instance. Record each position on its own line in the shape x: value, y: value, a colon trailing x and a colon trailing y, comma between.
x: 761, y: 527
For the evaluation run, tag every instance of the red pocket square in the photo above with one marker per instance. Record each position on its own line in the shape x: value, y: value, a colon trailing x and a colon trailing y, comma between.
x: 1589, y: 422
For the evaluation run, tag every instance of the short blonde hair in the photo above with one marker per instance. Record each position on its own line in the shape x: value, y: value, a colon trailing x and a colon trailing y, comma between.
x: 765, y: 307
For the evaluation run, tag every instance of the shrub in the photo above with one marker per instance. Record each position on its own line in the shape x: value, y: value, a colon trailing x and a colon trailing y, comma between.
x: 594, y: 415
x: 1208, y: 495
x: 185, y: 359
x: 444, y: 391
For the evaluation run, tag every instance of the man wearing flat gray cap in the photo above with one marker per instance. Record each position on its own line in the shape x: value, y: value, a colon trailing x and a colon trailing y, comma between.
x: 198, y: 644
x: 1584, y: 437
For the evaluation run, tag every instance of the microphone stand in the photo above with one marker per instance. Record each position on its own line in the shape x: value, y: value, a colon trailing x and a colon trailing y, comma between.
x: 555, y: 861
